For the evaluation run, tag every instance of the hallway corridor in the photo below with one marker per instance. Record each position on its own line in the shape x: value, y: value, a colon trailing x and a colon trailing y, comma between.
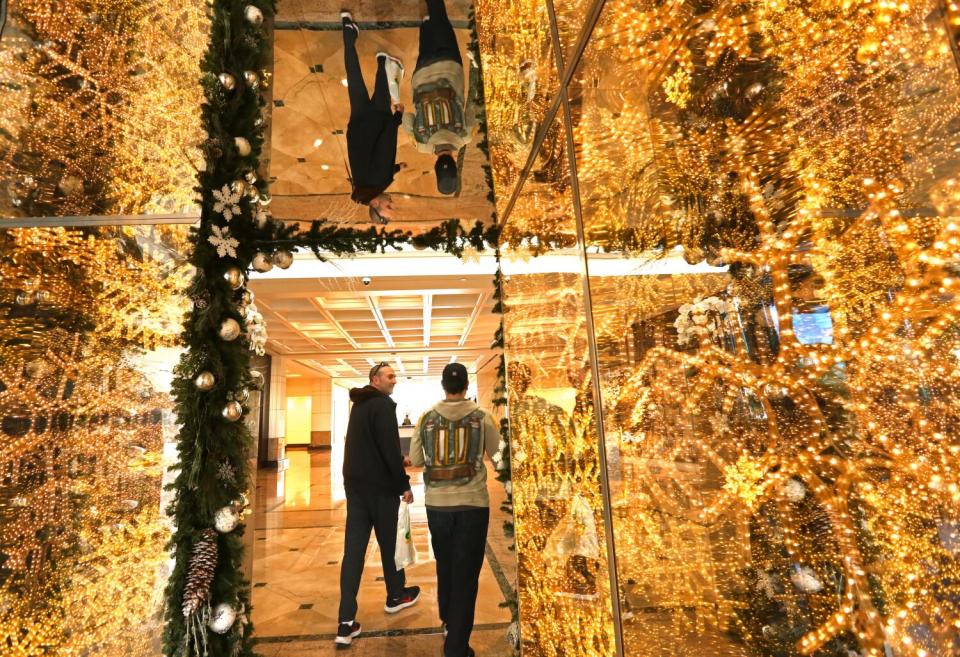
x: 298, y: 544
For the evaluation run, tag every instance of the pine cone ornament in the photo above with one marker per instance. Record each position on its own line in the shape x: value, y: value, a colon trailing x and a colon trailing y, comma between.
x: 203, y: 563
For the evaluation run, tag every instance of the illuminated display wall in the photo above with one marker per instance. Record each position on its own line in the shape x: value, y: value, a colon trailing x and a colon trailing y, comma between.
x: 89, y: 320
x: 733, y: 386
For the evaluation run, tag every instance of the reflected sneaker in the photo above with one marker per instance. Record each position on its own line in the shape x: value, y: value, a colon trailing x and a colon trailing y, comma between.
x: 346, y: 633
x: 347, y: 19
x: 409, y: 598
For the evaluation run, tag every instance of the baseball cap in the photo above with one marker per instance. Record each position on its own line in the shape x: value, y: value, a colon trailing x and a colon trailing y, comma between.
x: 447, y: 176
x: 454, y: 377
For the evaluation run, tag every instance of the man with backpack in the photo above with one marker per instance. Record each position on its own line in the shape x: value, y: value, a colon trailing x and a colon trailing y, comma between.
x: 444, y: 116
x: 449, y: 442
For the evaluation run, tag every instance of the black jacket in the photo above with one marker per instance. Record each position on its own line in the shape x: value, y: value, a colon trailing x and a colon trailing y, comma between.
x: 372, y: 149
x: 372, y: 461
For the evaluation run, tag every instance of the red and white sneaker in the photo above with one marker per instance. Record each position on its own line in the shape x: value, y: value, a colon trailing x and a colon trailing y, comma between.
x: 409, y: 598
x: 346, y: 633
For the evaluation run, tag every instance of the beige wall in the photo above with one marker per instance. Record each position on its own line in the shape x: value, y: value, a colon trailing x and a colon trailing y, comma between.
x: 319, y: 389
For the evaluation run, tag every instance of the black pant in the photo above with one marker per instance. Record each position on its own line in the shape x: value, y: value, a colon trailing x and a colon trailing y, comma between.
x: 366, y: 512
x: 459, y: 541
x: 437, y: 38
x: 360, y: 101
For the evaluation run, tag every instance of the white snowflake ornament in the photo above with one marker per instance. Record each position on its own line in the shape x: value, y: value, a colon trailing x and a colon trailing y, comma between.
x: 227, y: 202
x: 226, y: 245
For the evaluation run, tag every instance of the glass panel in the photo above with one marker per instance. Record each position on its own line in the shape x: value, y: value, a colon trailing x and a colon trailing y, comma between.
x: 88, y: 339
x: 520, y: 81
x: 564, y: 587
x: 86, y: 133
x: 571, y: 16
x: 769, y: 192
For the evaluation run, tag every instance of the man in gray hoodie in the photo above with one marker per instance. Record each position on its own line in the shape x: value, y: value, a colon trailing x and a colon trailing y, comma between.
x: 449, y: 442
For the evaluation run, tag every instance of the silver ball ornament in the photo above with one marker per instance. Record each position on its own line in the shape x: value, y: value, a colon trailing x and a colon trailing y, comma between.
x: 232, y: 412
x: 283, y: 259
x: 256, y: 378
x: 250, y: 177
x: 234, y: 277
x: 247, y: 297
x: 70, y: 185
x: 36, y: 368
x: 229, y: 329
x: 228, y: 81
x: 226, y: 519
x: 242, y: 395
x: 205, y: 381
x: 252, y: 79
x: 261, y: 262
x: 222, y: 618
x: 243, y: 146
x: 253, y: 15
x: 25, y: 298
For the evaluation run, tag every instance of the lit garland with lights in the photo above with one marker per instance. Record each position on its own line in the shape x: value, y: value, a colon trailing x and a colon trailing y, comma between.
x: 775, y: 490
x: 100, y: 99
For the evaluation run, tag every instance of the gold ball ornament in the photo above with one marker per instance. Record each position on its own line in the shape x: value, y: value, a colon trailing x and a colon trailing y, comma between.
x: 250, y: 177
x: 228, y: 81
x: 252, y: 79
x: 283, y: 259
x: 243, y: 146
x: 25, y: 298
x: 242, y: 395
x: 253, y: 15
x: 226, y: 519
x: 229, y: 329
x: 693, y: 255
x: 261, y: 262
x: 234, y: 277
x: 232, y: 412
x: 247, y: 297
x: 205, y: 381
x: 222, y: 618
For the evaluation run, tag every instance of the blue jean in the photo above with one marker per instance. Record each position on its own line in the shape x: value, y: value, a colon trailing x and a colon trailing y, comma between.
x: 459, y: 540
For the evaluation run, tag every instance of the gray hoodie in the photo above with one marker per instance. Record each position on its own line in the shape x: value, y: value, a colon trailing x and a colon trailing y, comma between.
x: 474, y: 492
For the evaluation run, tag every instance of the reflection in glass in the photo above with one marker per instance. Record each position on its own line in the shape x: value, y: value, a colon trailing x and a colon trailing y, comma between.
x: 520, y: 82
x: 100, y: 107
x: 88, y: 331
x: 781, y: 431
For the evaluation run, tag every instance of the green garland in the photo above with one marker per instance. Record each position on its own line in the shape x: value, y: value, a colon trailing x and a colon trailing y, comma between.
x: 213, y: 450
x: 324, y: 238
x: 234, y: 235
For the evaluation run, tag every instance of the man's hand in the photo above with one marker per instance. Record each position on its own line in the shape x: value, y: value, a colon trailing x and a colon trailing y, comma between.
x: 408, y: 497
x: 407, y: 462
x: 402, y: 165
x: 398, y: 107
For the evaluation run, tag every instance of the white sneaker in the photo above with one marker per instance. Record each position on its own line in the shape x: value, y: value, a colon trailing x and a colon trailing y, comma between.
x: 347, y: 19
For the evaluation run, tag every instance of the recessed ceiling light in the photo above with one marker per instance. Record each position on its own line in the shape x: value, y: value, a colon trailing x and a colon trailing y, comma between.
x: 324, y: 166
x: 317, y: 143
x: 344, y: 82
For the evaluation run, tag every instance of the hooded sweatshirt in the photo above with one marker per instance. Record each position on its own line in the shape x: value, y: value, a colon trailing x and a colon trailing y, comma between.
x: 473, y: 493
x: 372, y: 460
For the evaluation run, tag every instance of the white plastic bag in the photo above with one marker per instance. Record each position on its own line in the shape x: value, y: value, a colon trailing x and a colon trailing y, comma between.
x: 405, y: 554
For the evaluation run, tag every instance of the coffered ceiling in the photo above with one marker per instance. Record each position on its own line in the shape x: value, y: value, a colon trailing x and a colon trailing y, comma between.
x: 418, y: 311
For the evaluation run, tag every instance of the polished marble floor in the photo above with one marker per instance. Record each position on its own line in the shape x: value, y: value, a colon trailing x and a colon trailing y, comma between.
x: 298, y: 545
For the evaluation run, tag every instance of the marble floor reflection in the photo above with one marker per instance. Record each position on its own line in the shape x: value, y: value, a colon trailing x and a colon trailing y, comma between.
x: 298, y: 546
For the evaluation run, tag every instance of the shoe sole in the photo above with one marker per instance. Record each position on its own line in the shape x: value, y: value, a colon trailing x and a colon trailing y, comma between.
x: 400, y: 607
x: 344, y: 641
